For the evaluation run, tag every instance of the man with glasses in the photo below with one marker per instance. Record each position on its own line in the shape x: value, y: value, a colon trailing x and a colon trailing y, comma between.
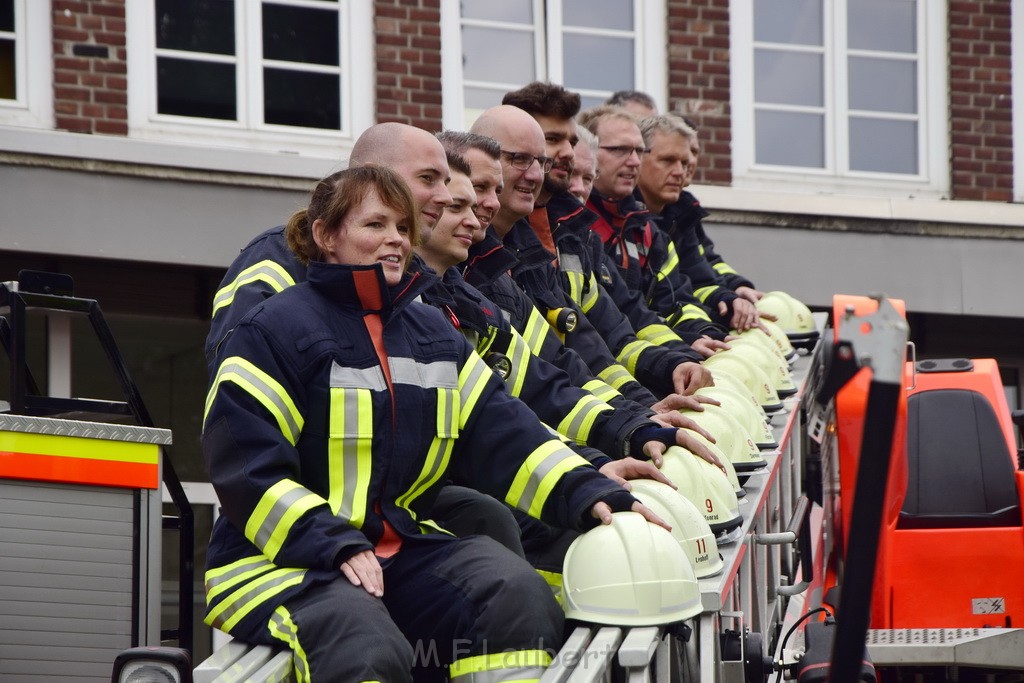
x: 642, y: 254
x: 664, y: 371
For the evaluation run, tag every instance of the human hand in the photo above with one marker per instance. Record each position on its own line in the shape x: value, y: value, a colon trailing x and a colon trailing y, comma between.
x: 689, y: 377
x: 707, y: 347
x: 363, y: 569
x: 676, y: 402
x: 621, y: 471
x: 749, y: 293
x: 603, y: 512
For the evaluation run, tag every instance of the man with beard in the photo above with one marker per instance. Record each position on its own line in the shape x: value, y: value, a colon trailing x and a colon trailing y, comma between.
x: 605, y: 297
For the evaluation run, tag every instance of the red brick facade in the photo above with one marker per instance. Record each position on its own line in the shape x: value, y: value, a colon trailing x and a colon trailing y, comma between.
x: 409, y: 62
x: 980, y: 106
x: 698, y: 80
x: 90, y: 86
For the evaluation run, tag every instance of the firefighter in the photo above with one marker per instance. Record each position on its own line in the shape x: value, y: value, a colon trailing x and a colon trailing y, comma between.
x: 661, y: 369
x: 337, y: 408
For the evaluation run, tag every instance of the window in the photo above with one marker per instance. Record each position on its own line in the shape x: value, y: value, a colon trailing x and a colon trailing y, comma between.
x: 593, y: 47
x: 295, y: 73
x: 26, y: 77
x: 850, y: 89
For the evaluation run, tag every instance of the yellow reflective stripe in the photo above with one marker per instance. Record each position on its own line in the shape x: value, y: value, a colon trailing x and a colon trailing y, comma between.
x: 519, y: 358
x: 575, y: 285
x: 630, y: 354
x: 671, y: 262
x: 519, y: 659
x: 472, y: 381
x: 601, y: 390
x: 578, y: 423
x: 700, y: 248
x: 657, y: 333
x: 220, y: 579
x: 350, y: 453
x: 616, y: 375
x: 538, y: 475
x: 704, y: 292
x: 554, y: 582
x: 279, y: 507
x: 590, y: 294
x: 250, y: 596
x: 440, y: 450
x: 265, y: 271
x: 536, y: 330
x: 723, y: 268
x: 264, y: 388
x: 693, y: 312
x: 282, y: 627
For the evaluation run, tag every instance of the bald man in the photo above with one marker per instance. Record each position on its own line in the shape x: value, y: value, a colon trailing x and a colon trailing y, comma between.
x: 266, y: 265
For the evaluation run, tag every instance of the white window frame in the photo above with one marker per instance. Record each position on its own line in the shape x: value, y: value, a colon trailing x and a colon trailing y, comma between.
x: 650, y: 65
x: 932, y: 179
x: 356, y: 63
x: 32, y: 105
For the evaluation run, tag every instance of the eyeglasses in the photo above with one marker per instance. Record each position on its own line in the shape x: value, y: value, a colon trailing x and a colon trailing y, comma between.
x: 523, y: 161
x: 626, y: 150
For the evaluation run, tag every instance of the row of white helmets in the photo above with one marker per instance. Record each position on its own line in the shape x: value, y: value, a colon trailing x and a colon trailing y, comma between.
x: 633, y: 573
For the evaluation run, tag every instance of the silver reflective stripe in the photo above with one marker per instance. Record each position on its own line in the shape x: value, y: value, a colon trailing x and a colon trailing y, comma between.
x: 356, y: 378
x: 536, y: 477
x: 442, y: 373
x: 349, y: 453
x: 570, y: 263
x: 284, y: 411
x: 280, y: 508
x: 242, y: 602
x: 631, y: 250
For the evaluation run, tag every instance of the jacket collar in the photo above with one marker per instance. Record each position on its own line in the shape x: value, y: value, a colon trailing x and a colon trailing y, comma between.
x: 488, y: 259
x: 364, y: 288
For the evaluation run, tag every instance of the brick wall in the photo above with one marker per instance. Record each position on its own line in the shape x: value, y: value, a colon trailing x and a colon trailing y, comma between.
x: 90, y: 88
x: 409, y: 62
x: 698, y: 76
x: 980, y: 100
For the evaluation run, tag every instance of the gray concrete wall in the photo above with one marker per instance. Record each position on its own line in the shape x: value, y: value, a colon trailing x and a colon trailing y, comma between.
x: 135, y: 218
x: 954, y: 275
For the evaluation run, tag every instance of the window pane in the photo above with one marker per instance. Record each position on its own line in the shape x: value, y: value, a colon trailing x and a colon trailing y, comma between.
x: 518, y: 11
x: 8, y: 86
x: 482, y: 98
x: 298, y: 98
x: 796, y: 22
x: 597, y: 62
x: 789, y: 78
x: 300, y: 34
x: 789, y: 139
x: 7, y: 15
x: 889, y: 25
x: 883, y: 146
x: 196, y: 25
x: 883, y: 85
x: 497, y: 55
x: 615, y: 14
x: 188, y: 87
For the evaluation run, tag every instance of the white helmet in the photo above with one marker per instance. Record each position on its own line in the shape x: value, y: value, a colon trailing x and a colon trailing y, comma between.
x: 731, y: 437
x: 779, y: 339
x: 723, y: 457
x: 791, y: 314
x: 768, y: 359
x: 689, y: 527
x: 751, y: 375
x: 751, y: 417
x: 629, y: 573
x: 705, y: 486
